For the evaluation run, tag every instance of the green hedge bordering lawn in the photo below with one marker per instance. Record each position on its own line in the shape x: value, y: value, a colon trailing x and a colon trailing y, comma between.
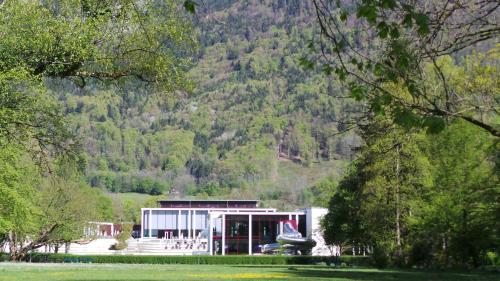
x: 278, y: 260
x: 4, y: 257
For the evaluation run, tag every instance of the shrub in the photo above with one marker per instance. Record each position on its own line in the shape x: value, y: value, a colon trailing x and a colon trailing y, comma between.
x: 493, y: 258
x: 4, y: 257
x: 203, y: 259
x: 122, y: 238
x: 421, y: 253
x: 380, y: 257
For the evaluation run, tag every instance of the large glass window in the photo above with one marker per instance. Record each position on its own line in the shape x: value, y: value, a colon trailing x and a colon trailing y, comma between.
x: 236, y: 234
x: 200, y: 222
x: 167, y: 223
x: 265, y: 229
x: 164, y: 223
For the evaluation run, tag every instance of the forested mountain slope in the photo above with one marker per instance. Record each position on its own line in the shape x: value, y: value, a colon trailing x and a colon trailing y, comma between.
x: 256, y: 125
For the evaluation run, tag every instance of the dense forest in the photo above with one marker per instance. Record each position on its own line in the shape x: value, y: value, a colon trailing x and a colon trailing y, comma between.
x: 255, y: 124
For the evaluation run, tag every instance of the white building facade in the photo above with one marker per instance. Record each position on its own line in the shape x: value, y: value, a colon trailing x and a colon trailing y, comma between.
x: 223, y: 227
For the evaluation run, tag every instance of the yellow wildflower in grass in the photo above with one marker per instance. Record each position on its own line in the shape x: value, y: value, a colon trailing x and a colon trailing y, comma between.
x: 242, y: 276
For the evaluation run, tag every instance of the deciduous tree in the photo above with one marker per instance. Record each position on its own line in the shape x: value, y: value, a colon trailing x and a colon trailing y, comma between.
x: 370, y: 43
x: 83, y: 40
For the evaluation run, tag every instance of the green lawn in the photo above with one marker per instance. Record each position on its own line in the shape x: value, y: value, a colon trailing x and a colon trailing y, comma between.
x: 138, y: 198
x: 111, y: 272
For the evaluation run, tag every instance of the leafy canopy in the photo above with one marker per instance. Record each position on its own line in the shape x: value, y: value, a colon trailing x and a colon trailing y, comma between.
x: 371, y: 44
x: 83, y: 41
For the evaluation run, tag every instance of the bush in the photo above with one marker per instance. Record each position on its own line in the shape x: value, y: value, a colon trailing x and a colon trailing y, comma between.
x: 493, y: 258
x: 4, y: 257
x: 380, y: 257
x: 203, y: 259
x: 122, y: 238
x: 421, y: 254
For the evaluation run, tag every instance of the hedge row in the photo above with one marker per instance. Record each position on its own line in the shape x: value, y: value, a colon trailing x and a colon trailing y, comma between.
x: 4, y: 257
x: 201, y: 259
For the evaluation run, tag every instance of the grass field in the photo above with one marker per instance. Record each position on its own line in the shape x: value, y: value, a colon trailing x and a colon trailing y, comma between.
x: 112, y: 272
x: 138, y: 198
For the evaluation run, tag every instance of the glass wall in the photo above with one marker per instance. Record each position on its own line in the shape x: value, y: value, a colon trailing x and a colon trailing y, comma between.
x: 217, y: 236
x: 173, y: 224
x: 265, y: 229
x: 170, y: 224
x: 200, y: 222
x: 164, y: 223
x: 237, y: 234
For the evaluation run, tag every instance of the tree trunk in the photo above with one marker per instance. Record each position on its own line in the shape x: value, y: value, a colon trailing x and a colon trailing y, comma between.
x: 16, y: 248
x: 18, y: 252
x: 12, y: 246
x: 398, y: 199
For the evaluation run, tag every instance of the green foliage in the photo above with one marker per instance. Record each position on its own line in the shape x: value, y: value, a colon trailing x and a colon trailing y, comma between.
x: 253, y: 111
x: 323, y: 191
x: 87, y: 39
x: 28, y: 113
x: 75, y: 43
x: 493, y: 258
x: 81, y: 41
x: 17, y: 175
x: 461, y: 208
x: 440, y: 209
x: 39, y: 209
x: 209, y: 189
x: 380, y: 257
x: 67, y: 207
x: 372, y: 45
x: 104, y: 206
x: 190, y: 6
x: 123, y: 182
x: 153, y: 201
x: 125, y: 234
x: 203, y: 259
x: 256, y: 108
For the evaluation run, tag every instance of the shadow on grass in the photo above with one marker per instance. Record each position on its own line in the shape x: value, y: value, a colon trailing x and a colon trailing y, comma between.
x: 380, y: 275
x: 389, y: 275
x: 275, y: 266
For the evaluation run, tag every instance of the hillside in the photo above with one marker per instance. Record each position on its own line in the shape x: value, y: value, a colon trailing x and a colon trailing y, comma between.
x: 256, y: 125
